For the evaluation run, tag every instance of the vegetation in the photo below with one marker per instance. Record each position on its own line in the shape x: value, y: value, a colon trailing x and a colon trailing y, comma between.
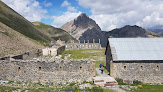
x: 149, y: 88
x: 18, y: 23
x: 54, y: 33
x: 50, y: 87
x: 95, y: 54
x: 120, y: 81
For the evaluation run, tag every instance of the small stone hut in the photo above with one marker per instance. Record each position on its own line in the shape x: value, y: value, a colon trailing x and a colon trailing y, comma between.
x: 135, y: 59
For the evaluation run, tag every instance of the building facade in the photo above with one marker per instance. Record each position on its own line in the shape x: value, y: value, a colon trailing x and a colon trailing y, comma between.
x: 135, y: 59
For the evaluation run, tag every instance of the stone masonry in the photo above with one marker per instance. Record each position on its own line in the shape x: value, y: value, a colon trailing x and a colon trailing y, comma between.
x: 55, y: 71
x: 145, y: 71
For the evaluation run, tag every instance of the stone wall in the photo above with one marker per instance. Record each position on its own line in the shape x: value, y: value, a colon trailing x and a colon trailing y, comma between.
x: 56, y: 71
x: 25, y: 56
x: 53, y: 51
x: 60, y: 49
x: 145, y: 71
x: 73, y: 46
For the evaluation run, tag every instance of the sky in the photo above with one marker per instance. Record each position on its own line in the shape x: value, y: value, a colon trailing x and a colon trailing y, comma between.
x: 108, y: 14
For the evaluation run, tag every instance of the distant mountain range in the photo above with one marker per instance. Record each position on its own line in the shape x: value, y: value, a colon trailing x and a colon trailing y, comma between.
x: 157, y: 29
x: 84, y: 28
x: 19, y: 35
x: 130, y: 31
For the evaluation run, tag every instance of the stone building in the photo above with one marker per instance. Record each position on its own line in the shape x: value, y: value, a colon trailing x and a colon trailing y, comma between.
x: 135, y: 59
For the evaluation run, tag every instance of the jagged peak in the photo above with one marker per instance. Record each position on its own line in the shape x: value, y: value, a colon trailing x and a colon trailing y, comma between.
x: 83, y: 15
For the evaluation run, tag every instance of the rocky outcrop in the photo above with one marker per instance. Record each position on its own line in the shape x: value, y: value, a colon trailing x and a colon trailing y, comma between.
x: 84, y: 28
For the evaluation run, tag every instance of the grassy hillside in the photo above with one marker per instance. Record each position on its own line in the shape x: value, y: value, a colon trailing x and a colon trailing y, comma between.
x: 15, y: 21
x: 54, y: 33
x: 13, y: 42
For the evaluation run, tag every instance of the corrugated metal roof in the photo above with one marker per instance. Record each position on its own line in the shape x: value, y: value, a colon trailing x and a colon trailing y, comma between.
x: 136, y: 48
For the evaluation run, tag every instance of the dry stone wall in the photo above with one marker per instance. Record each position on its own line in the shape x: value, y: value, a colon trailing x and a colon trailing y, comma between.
x: 56, y: 71
x: 145, y: 71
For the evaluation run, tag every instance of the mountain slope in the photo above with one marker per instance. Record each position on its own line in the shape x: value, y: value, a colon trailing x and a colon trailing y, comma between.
x: 84, y: 28
x: 12, y: 42
x: 158, y: 29
x: 15, y: 21
x: 54, y: 33
x: 130, y: 31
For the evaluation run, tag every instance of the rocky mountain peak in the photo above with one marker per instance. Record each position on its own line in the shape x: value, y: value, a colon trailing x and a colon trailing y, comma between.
x: 83, y: 28
x: 83, y: 15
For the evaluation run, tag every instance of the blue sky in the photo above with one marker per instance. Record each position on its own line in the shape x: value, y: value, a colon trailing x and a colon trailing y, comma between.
x: 56, y: 9
x: 108, y: 14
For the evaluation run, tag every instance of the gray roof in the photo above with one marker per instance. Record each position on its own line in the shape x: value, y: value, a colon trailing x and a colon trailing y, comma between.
x: 136, y: 48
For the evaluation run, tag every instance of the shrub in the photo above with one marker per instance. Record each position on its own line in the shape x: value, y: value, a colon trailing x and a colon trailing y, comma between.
x: 136, y: 82
x: 120, y: 81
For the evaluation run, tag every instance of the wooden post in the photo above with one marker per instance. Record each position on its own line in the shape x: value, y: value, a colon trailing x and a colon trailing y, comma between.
x: 99, y: 41
x: 93, y: 40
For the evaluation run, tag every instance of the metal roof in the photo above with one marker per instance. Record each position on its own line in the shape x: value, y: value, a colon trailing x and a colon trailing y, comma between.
x: 136, y: 48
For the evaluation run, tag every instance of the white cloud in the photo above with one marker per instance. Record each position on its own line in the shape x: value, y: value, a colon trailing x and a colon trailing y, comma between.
x: 47, y: 4
x: 116, y: 13
x: 72, y: 9
x: 66, y: 17
x: 65, y: 4
x: 30, y: 9
x: 68, y: 5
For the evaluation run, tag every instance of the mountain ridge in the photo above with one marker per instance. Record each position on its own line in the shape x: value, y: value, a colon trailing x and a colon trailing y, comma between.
x: 130, y: 31
x: 54, y: 33
x: 84, y: 28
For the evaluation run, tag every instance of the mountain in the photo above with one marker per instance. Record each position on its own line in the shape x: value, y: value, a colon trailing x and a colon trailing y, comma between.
x: 84, y: 28
x: 157, y: 29
x: 54, y: 33
x: 130, y: 31
x: 18, y: 23
x: 18, y: 35
x: 13, y: 42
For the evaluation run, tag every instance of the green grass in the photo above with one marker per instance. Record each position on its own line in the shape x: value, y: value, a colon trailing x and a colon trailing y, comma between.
x: 96, y: 54
x: 54, y: 33
x: 150, y: 88
x: 15, y: 21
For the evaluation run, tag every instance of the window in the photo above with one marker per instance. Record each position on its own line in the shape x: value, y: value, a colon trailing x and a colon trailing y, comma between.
x: 39, y: 69
x: 141, y: 68
x: 80, y: 67
x: 157, y: 68
x: 125, y: 68
x: 19, y: 69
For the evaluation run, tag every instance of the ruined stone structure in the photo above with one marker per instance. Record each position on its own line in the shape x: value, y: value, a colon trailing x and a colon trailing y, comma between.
x: 55, y: 71
x: 29, y: 67
x: 25, y: 56
x: 73, y: 46
x: 135, y: 59
x: 53, y: 51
